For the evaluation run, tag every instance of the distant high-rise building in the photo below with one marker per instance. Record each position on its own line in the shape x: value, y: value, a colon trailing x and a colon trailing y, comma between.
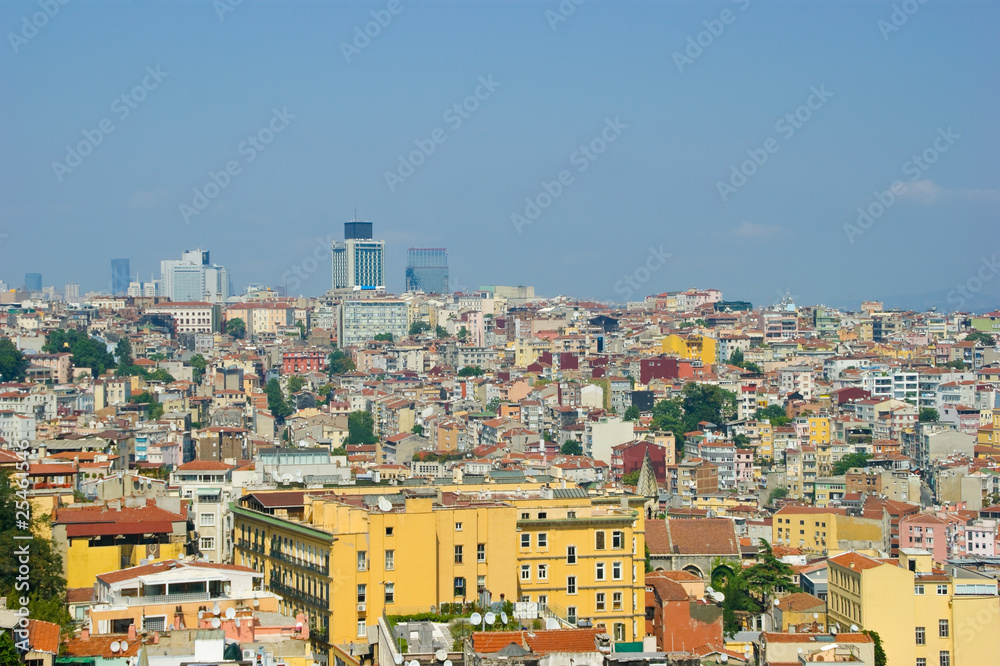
x: 358, y: 261
x: 427, y: 270
x: 72, y: 291
x: 33, y: 282
x: 194, y: 278
x: 120, y: 276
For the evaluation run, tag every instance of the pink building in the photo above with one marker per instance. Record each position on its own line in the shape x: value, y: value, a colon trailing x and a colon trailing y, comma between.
x: 922, y: 530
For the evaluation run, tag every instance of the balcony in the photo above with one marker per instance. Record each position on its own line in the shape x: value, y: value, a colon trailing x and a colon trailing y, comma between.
x: 287, y: 591
x: 323, y: 570
x: 168, y: 598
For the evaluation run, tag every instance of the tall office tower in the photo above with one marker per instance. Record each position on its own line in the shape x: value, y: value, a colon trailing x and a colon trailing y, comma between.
x: 358, y: 260
x: 72, y: 291
x: 427, y: 270
x: 120, y: 276
x: 32, y: 282
x: 194, y: 278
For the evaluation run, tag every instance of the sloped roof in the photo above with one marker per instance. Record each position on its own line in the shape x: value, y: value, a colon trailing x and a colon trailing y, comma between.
x: 702, y: 536
x: 43, y: 636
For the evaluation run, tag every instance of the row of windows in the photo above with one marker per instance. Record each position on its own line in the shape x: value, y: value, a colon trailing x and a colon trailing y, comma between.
x: 943, y: 632
x: 542, y: 542
x: 942, y: 590
x: 944, y: 659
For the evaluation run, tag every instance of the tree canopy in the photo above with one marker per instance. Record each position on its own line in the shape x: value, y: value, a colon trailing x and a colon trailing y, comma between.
x: 571, y: 447
x: 418, y: 327
x: 929, y: 415
x: 339, y: 363
x: 383, y: 337
x: 276, y: 402
x: 632, y: 478
x: 471, y: 371
x: 848, y: 461
x: 360, y: 428
x: 980, y: 336
x: 775, y: 414
x: 295, y: 384
x: 13, y: 363
x: 632, y: 413
x: 87, y: 352
x: 237, y: 328
x: 736, y: 358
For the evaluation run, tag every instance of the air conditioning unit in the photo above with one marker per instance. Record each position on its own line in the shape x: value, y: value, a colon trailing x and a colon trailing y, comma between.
x: 248, y: 655
x: 361, y: 608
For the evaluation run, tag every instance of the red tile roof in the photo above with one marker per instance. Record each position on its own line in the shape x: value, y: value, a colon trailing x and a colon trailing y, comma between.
x: 204, y: 466
x: 43, y: 636
x: 100, y: 646
x: 539, y: 642
x: 856, y: 561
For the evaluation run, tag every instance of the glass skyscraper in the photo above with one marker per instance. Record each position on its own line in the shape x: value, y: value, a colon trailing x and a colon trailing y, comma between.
x: 427, y: 270
x: 121, y: 275
x: 358, y: 260
x: 33, y: 282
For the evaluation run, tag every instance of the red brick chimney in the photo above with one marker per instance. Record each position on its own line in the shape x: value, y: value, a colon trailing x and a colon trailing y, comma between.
x: 131, y: 633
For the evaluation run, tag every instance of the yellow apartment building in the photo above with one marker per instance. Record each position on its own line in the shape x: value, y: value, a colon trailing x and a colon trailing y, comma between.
x: 819, y: 430
x: 346, y: 558
x: 692, y: 347
x: 923, y: 615
x: 817, y: 530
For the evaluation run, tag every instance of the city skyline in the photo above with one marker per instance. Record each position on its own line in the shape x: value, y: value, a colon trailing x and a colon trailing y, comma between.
x: 747, y: 166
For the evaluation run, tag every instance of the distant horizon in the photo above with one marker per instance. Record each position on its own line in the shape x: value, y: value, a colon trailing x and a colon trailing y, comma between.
x: 823, y: 149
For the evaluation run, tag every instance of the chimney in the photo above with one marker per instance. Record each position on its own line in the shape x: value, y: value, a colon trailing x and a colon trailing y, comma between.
x: 84, y: 633
x: 131, y: 633
x: 156, y: 637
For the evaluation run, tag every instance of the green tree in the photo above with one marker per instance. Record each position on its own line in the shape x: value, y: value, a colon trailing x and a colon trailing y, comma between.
x: 956, y: 364
x: 46, y: 587
x: 775, y: 414
x: 776, y: 494
x: 237, y: 328
x: 649, y: 562
x: 418, y: 327
x: 741, y: 441
x: 276, y: 402
x: 493, y: 405
x: 123, y: 352
x: 360, y: 428
x: 87, y: 352
x: 339, y: 363
x: 13, y: 363
x: 880, y: 658
x: 383, y: 337
x: 440, y: 332
x: 198, y: 365
x: 471, y: 371
x: 668, y: 416
x: 295, y: 384
x: 147, y: 398
x: 632, y: 413
x: 9, y: 655
x: 848, y: 461
x: 750, y: 366
x: 463, y: 333
x: 736, y: 358
x: 706, y: 402
x: 571, y: 447
x: 768, y: 576
x: 979, y: 336
x: 929, y: 415
x: 631, y: 479
x: 417, y: 429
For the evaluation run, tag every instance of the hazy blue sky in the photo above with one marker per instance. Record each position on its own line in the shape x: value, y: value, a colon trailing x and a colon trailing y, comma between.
x: 879, y: 97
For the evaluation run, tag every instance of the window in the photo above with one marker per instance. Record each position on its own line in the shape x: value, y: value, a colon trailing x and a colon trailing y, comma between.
x: 390, y: 592
x: 390, y: 560
x: 154, y: 623
x: 206, y: 543
x: 918, y: 589
x: 616, y: 571
x: 944, y: 658
x: 543, y: 540
x: 362, y: 560
x: 943, y: 628
x: 388, y: 531
x: 616, y: 601
x: 619, y: 631
x: 618, y: 540
x: 525, y: 572
x: 600, y: 602
x: 599, y: 573
x: 362, y: 628
x: 543, y: 572
x: 921, y: 636
x: 543, y: 599
x: 206, y: 520
x: 570, y: 554
x: 458, y: 527
x: 458, y: 554
x: 481, y: 552
x: 459, y: 587
x: 942, y: 589
x: 571, y: 614
x: 599, y: 540
x: 525, y: 540
x: 571, y: 514
x: 481, y: 583
x: 921, y: 661
x: 525, y: 515
x: 362, y: 593
x: 542, y: 515
x: 570, y: 584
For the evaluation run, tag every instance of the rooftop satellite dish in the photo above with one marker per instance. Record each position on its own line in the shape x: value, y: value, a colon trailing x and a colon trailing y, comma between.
x: 216, y: 623
x: 447, y: 662
x: 551, y: 623
x: 384, y: 504
x: 503, y: 617
x: 720, y: 597
x: 414, y: 663
x: 475, y: 618
x: 256, y: 603
x: 709, y: 589
x: 170, y: 627
x: 398, y: 658
x: 490, y: 618
x: 115, y: 646
x: 815, y: 615
x: 237, y: 622
x: 216, y: 609
x: 441, y: 654
x: 854, y: 627
x: 724, y: 658
x: 230, y: 613
x: 777, y: 602
x: 123, y: 646
x: 201, y: 614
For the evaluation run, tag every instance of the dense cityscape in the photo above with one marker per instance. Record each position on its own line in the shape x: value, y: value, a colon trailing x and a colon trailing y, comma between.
x: 489, y: 474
